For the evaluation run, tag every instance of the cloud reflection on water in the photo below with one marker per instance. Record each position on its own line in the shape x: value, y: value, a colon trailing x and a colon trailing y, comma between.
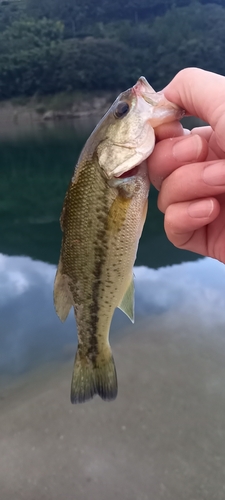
x: 31, y: 333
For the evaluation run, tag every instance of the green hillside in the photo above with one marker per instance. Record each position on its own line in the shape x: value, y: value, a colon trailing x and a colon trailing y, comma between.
x: 52, y: 46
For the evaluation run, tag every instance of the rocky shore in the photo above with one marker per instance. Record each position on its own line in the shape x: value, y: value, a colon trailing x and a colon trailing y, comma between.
x: 25, y: 115
x: 54, y: 108
x: 98, y: 105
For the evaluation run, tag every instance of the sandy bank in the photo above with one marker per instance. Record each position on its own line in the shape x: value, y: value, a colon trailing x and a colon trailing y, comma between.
x: 163, y: 438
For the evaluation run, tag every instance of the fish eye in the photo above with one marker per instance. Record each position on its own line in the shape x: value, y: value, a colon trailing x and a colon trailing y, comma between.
x: 122, y: 109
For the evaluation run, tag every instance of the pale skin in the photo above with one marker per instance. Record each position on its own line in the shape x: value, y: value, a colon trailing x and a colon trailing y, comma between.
x: 188, y: 169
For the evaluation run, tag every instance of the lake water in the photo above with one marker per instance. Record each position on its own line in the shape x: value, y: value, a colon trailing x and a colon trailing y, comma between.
x: 165, y: 433
x: 35, y: 170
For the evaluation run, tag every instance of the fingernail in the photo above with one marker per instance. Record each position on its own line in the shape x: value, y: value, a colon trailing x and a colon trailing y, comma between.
x: 188, y: 149
x: 214, y: 174
x: 199, y: 209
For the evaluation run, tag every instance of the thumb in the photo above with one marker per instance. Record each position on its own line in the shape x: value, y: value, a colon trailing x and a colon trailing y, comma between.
x: 202, y: 94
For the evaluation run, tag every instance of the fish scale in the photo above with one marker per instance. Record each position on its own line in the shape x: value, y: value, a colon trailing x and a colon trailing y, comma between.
x: 102, y: 221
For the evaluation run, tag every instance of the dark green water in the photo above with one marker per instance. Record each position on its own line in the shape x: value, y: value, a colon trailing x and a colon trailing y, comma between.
x: 35, y: 169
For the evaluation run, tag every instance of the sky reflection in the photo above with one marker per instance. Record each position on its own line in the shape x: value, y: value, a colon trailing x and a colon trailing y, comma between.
x: 31, y: 333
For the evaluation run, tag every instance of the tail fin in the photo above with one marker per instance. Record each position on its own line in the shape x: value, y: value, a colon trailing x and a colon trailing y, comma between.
x: 90, y: 378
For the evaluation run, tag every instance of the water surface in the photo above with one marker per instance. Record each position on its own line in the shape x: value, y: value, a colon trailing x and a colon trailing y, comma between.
x: 35, y: 169
x: 165, y: 433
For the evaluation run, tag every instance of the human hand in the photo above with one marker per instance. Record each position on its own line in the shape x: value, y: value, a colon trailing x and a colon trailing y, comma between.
x: 189, y: 170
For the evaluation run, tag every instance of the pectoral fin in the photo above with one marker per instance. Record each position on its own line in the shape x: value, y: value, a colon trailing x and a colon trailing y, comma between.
x: 127, y: 302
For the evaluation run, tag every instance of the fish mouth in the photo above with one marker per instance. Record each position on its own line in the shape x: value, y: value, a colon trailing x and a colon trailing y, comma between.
x: 164, y: 109
x: 142, y: 87
x: 155, y: 110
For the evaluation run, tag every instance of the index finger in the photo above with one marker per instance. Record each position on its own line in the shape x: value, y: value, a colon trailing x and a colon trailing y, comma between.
x: 166, y: 130
x: 163, y: 161
x: 201, y: 93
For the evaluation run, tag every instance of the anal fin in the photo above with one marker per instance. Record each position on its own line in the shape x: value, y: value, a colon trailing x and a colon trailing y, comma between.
x: 127, y: 302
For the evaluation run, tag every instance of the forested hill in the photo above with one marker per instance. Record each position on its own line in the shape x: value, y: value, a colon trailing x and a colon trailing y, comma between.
x: 48, y: 46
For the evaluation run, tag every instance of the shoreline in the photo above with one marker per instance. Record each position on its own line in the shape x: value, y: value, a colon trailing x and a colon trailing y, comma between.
x: 19, y: 116
x: 27, y: 115
x: 66, y: 105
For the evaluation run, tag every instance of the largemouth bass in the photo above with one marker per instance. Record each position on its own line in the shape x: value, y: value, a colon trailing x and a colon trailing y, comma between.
x: 102, y: 220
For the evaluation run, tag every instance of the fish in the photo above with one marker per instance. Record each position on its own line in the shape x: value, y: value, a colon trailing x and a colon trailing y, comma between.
x: 102, y: 219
